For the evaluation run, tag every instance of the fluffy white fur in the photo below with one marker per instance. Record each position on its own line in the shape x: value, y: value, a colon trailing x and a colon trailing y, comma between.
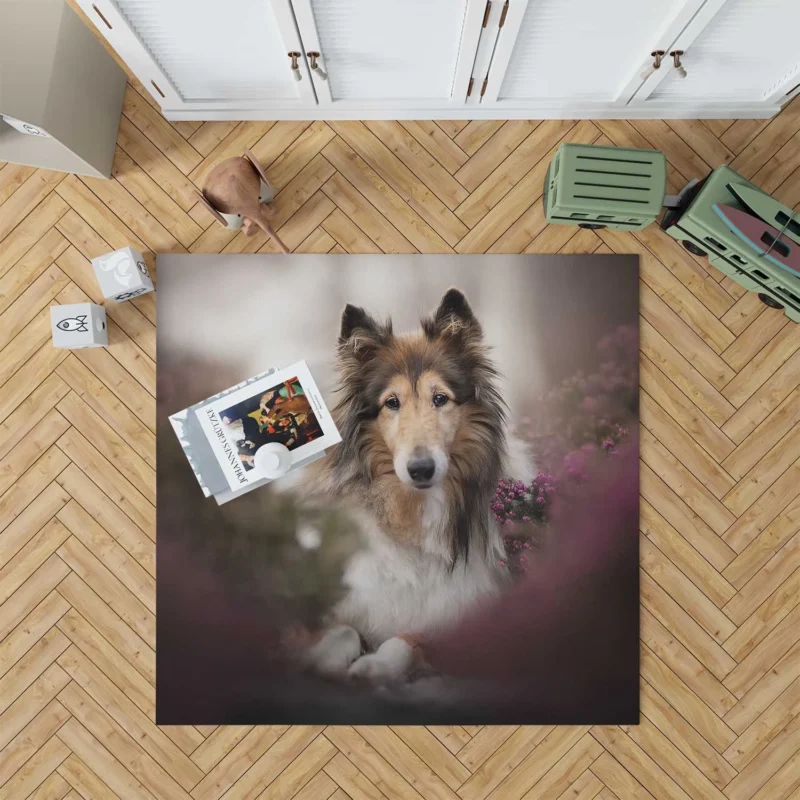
x: 394, y: 589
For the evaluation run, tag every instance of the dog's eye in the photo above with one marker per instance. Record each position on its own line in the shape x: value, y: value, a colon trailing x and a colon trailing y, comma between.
x: 392, y: 403
x: 440, y: 399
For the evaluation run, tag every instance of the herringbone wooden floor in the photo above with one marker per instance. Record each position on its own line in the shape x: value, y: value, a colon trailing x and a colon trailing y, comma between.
x: 720, y: 548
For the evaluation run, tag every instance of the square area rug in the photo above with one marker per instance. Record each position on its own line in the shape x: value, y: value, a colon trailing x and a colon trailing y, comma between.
x: 466, y: 554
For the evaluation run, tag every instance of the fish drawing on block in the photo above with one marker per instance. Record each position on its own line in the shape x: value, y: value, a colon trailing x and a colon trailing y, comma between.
x: 77, y: 324
x: 764, y: 239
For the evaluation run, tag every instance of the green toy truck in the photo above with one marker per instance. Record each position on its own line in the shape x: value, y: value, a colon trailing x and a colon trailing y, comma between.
x: 702, y: 232
x: 597, y: 187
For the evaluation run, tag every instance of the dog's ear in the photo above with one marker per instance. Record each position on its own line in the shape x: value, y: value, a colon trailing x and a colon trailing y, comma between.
x: 454, y: 317
x: 354, y: 318
x: 360, y: 334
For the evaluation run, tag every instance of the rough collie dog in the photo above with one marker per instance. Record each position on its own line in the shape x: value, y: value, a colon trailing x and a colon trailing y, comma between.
x: 424, y: 442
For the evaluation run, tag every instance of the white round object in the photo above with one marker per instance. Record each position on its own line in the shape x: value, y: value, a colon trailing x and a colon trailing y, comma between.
x: 273, y: 460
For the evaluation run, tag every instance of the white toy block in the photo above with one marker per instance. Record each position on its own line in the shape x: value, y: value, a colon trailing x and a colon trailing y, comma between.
x: 122, y: 274
x: 78, y: 325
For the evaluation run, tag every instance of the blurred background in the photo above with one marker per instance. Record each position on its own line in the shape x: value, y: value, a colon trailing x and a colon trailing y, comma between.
x: 564, y: 334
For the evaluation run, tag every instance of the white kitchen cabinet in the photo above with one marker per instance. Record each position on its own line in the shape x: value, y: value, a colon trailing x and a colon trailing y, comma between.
x: 746, y: 52
x: 450, y: 59
x: 572, y: 52
x: 414, y: 53
x: 208, y: 56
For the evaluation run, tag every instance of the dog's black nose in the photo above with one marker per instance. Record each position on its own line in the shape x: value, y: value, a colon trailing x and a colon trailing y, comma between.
x: 421, y: 469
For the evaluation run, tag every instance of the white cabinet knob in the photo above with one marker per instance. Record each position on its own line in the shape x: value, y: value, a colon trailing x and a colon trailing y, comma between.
x: 295, y: 65
x: 315, y: 68
x: 657, y: 56
x: 676, y: 57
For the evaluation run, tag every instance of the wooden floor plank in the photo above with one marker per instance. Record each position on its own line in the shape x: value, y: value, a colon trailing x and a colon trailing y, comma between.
x: 30, y: 267
x: 37, y: 769
x: 673, y: 581
x: 100, y: 761
x: 83, y: 781
x: 426, y: 168
x: 32, y: 192
x: 657, y: 711
x: 30, y: 557
x: 413, y: 220
x: 493, y: 153
x: 135, y: 728
x: 209, y: 135
x: 30, y: 230
x: 43, y: 508
x: 373, y: 227
x: 99, y: 542
x: 682, y: 555
x: 284, y: 153
x: 437, y: 143
x: 31, y: 702
x: 684, y: 448
x: 144, y: 153
x: 756, y: 608
x: 152, y: 197
x: 31, y: 629
x: 764, y: 437
x: 503, y: 761
x: 109, y: 478
x: 684, y: 412
x: 686, y: 702
x: 159, y: 131
x: 684, y: 375
x: 502, y: 180
x: 110, y: 624
x: 12, y: 176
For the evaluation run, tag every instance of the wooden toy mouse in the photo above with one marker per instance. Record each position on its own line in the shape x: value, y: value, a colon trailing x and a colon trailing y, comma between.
x: 233, y: 188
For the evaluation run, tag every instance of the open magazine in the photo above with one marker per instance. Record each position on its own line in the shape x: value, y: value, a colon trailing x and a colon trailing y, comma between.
x: 222, y: 435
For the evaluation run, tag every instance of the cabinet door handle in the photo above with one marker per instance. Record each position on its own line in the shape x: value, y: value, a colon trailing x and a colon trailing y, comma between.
x: 313, y: 56
x: 100, y: 14
x: 295, y: 66
x: 676, y: 57
x: 657, y: 56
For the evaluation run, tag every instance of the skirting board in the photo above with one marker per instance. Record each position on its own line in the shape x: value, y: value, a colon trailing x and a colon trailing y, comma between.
x: 732, y: 111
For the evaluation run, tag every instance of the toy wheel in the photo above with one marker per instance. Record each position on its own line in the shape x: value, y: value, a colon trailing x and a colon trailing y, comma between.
x: 693, y: 248
x: 769, y: 301
x: 592, y: 226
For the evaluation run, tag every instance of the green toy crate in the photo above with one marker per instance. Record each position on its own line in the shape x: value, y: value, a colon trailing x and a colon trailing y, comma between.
x: 597, y: 187
x: 697, y: 226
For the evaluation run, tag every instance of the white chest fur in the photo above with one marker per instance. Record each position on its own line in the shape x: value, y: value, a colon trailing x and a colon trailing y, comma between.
x: 395, y: 589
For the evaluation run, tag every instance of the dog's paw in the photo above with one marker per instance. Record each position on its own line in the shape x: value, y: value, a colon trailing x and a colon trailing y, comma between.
x: 390, y: 663
x: 334, y: 652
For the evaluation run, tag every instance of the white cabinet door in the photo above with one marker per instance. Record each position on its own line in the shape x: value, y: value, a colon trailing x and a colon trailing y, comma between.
x: 208, y: 54
x: 746, y: 51
x: 390, y: 54
x: 578, y: 54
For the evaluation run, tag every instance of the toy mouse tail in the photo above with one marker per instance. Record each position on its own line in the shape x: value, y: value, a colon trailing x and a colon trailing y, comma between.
x: 267, y: 228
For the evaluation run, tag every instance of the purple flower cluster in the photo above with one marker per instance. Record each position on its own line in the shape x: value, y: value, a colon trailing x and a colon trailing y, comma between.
x: 517, y: 554
x: 515, y: 501
x: 526, y: 506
